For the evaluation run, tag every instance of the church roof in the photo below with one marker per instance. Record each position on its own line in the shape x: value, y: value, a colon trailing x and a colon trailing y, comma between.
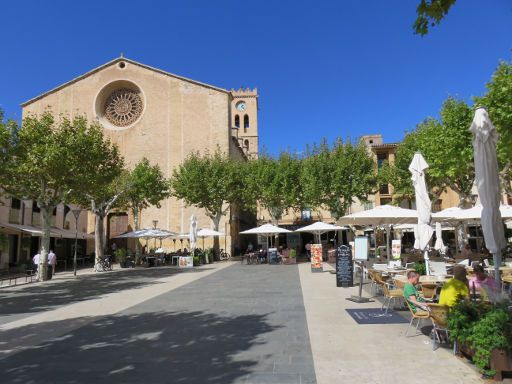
x: 121, y: 58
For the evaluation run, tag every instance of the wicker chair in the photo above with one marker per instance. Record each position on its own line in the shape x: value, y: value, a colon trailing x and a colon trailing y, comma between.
x: 429, y: 290
x: 391, y: 294
x: 414, y: 316
x: 439, y: 317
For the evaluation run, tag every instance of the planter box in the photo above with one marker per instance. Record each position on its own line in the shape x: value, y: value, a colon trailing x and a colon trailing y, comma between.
x: 501, y: 361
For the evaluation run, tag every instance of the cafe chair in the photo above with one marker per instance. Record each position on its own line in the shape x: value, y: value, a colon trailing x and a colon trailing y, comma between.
x: 429, y: 290
x: 439, y: 317
x: 391, y: 294
x: 415, y: 316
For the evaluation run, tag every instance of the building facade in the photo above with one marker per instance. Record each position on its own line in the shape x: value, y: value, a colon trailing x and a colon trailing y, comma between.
x: 163, y: 117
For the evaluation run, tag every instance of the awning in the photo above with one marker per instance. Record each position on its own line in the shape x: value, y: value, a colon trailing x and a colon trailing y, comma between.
x: 30, y: 229
x: 70, y: 234
x: 54, y: 232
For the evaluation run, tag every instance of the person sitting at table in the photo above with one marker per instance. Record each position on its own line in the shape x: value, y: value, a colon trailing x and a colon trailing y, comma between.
x: 411, y: 294
x: 466, y: 252
x: 455, y: 288
x: 481, y: 282
x: 262, y: 256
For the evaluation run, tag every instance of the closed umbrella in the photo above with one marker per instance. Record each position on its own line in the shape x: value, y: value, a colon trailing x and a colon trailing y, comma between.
x: 439, y: 245
x: 488, y: 184
x: 416, y: 237
x: 423, y: 205
x: 193, y: 234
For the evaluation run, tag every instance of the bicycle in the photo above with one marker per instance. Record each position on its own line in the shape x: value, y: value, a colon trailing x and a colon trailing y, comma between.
x: 224, y: 255
x: 104, y: 264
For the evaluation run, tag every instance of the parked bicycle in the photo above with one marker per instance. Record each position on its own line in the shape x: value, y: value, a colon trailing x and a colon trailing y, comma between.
x: 104, y: 264
x: 224, y: 255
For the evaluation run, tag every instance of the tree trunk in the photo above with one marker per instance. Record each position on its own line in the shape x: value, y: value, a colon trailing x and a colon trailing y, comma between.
x: 42, y: 270
x: 216, y: 243
x: 99, y: 237
x: 136, y: 220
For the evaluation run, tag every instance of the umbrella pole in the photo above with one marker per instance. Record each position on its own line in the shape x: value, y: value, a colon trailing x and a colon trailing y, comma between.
x: 427, y: 266
x: 388, y: 231
x: 496, y: 257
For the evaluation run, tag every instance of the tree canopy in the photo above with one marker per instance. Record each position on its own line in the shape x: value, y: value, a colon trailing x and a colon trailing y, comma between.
x: 430, y: 13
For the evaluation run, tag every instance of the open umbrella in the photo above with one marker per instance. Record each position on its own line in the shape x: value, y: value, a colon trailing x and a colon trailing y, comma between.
x: 423, y: 204
x: 385, y: 215
x: 205, y: 232
x: 488, y: 184
x: 265, y: 230
x: 318, y: 228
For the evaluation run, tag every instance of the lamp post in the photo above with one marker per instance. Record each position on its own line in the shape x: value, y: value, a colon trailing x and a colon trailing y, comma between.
x: 76, y: 213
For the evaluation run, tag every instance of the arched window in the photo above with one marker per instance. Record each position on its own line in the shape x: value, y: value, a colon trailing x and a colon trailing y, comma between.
x: 246, y: 121
x: 246, y: 144
x: 237, y: 121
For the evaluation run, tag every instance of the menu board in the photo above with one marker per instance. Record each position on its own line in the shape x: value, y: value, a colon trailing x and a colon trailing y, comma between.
x: 361, y: 246
x: 316, y: 258
x: 344, y: 267
x: 186, y: 262
x: 272, y: 256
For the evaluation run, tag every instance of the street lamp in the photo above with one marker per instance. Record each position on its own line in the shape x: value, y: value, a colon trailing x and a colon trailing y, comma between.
x: 76, y: 213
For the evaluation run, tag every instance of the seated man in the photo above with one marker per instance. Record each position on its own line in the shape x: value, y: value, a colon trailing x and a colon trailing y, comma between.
x: 455, y: 288
x: 483, y: 283
x: 411, y: 294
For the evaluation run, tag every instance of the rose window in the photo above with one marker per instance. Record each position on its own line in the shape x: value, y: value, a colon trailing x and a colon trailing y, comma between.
x: 123, y: 107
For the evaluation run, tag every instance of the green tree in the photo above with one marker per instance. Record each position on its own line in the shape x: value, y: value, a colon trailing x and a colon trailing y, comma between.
x: 446, y: 146
x: 430, y: 13
x: 276, y: 182
x: 212, y: 182
x: 50, y: 163
x: 498, y: 101
x: 146, y: 186
x: 334, y: 177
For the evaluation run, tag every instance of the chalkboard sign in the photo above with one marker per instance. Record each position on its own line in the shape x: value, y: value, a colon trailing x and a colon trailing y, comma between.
x: 344, y: 267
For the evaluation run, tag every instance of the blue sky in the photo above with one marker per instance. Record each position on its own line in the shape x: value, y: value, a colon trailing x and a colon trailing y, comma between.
x: 323, y: 68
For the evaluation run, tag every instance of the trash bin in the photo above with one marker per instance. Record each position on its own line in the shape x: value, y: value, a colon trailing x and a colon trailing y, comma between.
x: 50, y: 272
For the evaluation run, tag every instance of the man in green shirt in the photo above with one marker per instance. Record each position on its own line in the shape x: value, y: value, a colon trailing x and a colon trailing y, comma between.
x: 412, y: 295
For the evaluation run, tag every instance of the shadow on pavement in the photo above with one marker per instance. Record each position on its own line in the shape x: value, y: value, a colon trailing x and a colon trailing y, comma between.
x: 193, y: 347
x: 44, y: 296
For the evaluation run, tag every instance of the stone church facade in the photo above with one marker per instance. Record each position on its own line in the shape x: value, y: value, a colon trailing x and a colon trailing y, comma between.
x: 151, y: 113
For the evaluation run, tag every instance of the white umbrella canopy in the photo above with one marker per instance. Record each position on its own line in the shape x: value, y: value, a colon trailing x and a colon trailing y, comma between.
x: 319, y: 227
x: 149, y: 233
x: 265, y: 230
x: 474, y: 213
x: 439, y: 245
x: 488, y: 184
x: 423, y: 204
x: 416, y: 237
x: 205, y: 232
x: 382, y: 215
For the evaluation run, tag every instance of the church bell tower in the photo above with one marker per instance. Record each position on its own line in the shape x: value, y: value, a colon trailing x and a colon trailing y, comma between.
x: 244, y: 120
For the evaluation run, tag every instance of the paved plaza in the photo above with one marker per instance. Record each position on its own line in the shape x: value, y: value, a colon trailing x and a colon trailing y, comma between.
x: 220, y: 323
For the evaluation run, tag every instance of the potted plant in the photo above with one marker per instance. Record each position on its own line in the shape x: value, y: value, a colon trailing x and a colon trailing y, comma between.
x: 484, y: 333
x: 120, y: 255
x: 197, y: 261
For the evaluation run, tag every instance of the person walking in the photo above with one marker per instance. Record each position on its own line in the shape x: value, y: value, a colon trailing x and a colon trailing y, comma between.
x: 35, y: 261
x: 52, y: 261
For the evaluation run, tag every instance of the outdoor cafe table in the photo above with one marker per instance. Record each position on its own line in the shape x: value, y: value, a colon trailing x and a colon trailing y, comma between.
x: 250, y: 258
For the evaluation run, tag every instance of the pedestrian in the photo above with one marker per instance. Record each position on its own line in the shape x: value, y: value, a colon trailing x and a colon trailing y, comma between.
x: 249, y: 247
x: 52, y: 260
x: 35, y: 261
x: 308, y: 250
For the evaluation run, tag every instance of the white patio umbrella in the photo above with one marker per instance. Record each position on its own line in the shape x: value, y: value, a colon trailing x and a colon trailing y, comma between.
x: 319, y: 228
x: 205, y: 232
x: 193, y: 234
x: 265, y: 230
x: 423, y: 204
x: 474, y: 213
x: 385, y: 215
x: 439, y: 245
x: 488, y: 184
x: 416, y: 244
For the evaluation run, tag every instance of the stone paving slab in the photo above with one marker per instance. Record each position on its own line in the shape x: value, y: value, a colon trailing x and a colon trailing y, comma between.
x: 241, y: 324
